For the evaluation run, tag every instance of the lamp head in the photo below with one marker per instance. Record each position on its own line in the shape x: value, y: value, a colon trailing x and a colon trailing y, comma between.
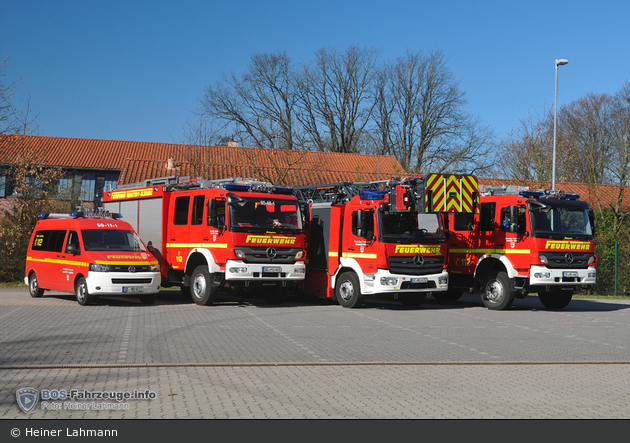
x: 562, y: 61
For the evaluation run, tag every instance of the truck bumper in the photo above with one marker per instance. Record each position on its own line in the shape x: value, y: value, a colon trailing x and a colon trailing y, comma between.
x: 240, y: 271
x: 543, y: 276
x: 384, y: 282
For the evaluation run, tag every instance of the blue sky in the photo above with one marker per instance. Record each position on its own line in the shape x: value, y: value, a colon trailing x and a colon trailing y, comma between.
x: 134, y: 70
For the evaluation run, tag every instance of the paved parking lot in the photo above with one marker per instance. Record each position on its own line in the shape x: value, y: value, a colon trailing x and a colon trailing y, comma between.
x: 244, y: 359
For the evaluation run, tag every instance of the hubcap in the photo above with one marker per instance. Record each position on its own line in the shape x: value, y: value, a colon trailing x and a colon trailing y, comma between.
x: 346, y: 290
x: 33, y: 284
x: 199, y: 286
x: 81, y: 292
x: 494, y: 291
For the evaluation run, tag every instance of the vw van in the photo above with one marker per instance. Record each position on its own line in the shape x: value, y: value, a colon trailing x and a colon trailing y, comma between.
x: 90, y: 254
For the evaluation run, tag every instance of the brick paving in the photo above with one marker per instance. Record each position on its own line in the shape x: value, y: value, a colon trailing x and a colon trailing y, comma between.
x: 248, y: 360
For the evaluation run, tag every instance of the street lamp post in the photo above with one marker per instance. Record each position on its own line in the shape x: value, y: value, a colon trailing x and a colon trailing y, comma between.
x: 555, y: 118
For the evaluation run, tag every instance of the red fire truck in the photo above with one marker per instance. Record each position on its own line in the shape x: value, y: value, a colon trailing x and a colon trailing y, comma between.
x: 382, y: 237
x: 237, y: 234
x: 521, y: 241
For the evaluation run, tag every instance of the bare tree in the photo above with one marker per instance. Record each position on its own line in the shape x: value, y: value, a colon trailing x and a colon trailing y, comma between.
x: 334, y: 98
x: 7, y: 109
x: 526, y: 154
x: 259, y: 107
x: 420, y: 117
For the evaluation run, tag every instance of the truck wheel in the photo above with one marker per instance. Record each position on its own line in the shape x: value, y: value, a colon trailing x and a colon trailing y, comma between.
x: 555, y: 298
x: 84, y: 297
x: 450, y: 295
x: 348, y: 291
x: 33, y: 286
x: 497, y: 291
x: 413, y: 299
x: 202, y: 288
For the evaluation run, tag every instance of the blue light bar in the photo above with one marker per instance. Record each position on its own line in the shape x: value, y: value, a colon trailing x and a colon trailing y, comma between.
x: 372, y: 195
x: 237, y: 188
x: 281, y: 190
x: 531, y: 194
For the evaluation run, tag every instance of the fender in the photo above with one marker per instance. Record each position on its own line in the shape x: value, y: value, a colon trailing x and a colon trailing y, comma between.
x: 347, y: 262
x: 511, y: 272
x: 212, y: 265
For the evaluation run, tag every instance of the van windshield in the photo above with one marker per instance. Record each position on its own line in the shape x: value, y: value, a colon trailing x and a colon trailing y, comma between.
x: 111, y: 240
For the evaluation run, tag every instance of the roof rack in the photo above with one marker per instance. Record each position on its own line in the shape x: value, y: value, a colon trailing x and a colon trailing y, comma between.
x: 236, y: 184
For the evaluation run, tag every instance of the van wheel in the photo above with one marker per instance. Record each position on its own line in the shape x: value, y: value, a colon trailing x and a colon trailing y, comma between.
x: 84, y: 298
x: 202, y: 288
x: 497, y: 291
x: 33, y: 286
x: 348, y: 290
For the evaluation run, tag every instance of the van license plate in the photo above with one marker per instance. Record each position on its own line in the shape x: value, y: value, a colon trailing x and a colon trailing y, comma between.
x: 419, y: 280
x: 570, y: 274
x: 133, y: 289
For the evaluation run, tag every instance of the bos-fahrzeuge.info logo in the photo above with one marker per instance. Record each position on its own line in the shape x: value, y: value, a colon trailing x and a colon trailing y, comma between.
x: 78, y: 399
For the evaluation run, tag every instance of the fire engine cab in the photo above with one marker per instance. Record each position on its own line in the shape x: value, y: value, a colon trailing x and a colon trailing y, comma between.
x: 382, y: 237
x: 236, y: 233
x: 521, y: 241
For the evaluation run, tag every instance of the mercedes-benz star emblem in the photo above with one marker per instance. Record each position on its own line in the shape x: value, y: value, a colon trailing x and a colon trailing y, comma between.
x: 418, y: 260
x: 569, y: 257
x: 271, y: 252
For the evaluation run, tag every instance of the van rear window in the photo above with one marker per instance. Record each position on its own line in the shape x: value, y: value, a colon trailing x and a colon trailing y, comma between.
x: 49, y: 240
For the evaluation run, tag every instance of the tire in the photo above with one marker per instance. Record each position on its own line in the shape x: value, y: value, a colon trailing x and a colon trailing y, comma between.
x: 202, y: 288
x: 413, y: 299
x: 348, y: 290
x: 497, y: 291
x: 33, y: 286
x: 555, y: 298
x: 148, y: 299
x: 450, y: 295
x: 84, y: 297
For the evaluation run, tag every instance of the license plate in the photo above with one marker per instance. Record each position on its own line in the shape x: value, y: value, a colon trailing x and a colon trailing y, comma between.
x: 570, y: 274
x: 133, y: 289
x: 272, y: 269
x: 419, y: 280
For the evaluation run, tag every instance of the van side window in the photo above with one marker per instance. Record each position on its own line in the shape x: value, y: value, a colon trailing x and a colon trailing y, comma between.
x: 49, y: 240
x: 181, y: 210
x: 197, y: 210
x: 73, y: 239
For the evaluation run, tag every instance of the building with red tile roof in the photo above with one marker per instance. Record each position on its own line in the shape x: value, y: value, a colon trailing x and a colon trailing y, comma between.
x: 101, y: 164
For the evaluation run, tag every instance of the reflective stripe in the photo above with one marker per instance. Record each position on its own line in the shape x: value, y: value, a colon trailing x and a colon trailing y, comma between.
x: 58, y: 261
x: 358, y: 255
x: 489, y: 251
x: 197, y: 245
x: 333, y: 254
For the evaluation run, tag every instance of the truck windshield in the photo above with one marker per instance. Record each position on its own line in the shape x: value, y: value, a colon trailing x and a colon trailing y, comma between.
x: 410, y: 227
x: 265, y: 215
x: 558, y: 221
x: 111, y: 240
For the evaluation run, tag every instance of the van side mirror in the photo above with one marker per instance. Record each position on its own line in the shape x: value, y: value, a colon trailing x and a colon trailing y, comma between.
x: 72, y: 249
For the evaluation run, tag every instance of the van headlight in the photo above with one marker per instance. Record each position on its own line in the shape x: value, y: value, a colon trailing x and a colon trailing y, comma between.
x: 97, y: 267
x: 155, y: 269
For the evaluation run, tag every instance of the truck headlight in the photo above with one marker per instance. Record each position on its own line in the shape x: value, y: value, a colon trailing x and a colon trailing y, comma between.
x: 299, y: 254
x: 542, y: 275
x: 542, y: 258
x: 389, y: 281
x: 299, y: 271
x: 239, y: 253
x: 97, y: 267
x: 238, y: 270
x: 442, y: 280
